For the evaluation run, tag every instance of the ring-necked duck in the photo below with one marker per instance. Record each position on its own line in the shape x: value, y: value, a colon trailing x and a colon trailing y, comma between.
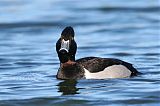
x: 88, y: 67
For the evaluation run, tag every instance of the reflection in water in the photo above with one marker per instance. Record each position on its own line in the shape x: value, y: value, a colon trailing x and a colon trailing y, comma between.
x: 68, y: 87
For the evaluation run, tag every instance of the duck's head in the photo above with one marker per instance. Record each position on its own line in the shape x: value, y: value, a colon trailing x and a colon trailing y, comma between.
x: 66, y: 46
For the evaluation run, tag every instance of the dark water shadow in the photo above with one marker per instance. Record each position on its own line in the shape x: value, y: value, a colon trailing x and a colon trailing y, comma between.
x: 68, y: 87
x: 121, y: 8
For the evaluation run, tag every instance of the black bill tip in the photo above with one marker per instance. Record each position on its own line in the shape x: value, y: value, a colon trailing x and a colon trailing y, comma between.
x: 63, y: 51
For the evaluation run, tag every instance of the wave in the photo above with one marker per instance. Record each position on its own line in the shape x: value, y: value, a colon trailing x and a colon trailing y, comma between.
x: 118, y: 8
x: 29, y: 24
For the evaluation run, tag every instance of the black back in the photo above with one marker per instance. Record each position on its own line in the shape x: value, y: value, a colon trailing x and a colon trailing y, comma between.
x: 96, y: 64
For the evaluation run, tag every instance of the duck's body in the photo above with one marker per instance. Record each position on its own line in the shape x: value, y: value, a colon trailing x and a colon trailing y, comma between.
x: 96, y: 68
x: 88, y: 67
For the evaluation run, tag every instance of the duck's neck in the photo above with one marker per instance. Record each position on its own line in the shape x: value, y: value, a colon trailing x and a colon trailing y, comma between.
x: 68, y: 64
x: 72, y: 58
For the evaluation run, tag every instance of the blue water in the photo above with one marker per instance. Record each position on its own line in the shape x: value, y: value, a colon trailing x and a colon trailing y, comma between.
x: 123, y: 29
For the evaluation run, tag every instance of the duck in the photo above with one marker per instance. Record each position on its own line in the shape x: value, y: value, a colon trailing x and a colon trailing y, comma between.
x: 87, y: 67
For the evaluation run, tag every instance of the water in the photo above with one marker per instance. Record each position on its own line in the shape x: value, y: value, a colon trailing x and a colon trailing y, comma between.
x: 29, y: 29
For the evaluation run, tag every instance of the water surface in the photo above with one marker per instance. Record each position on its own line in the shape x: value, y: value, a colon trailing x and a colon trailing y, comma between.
x: 127, y: 30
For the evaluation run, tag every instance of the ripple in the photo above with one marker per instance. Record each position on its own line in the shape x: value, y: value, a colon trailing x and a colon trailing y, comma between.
x: 28, y: 24
x: 22, y: 63
x: 151, y: 54
x: 122, y: 54
x: 50, y: 101
x: 136, y: 101
x: 125, y: 9
x: 34, y: 63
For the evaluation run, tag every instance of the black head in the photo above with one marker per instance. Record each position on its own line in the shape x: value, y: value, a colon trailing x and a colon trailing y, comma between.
x: 66, y: 46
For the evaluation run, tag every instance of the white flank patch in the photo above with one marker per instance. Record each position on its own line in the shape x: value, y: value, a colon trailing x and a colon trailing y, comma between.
x: 114, y: 71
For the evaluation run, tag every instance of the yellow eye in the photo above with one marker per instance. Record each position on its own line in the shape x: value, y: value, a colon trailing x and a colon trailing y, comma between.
x: 72, y: 38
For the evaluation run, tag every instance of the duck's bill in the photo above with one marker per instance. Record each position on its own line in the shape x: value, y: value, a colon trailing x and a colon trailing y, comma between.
x: 64, y: 45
